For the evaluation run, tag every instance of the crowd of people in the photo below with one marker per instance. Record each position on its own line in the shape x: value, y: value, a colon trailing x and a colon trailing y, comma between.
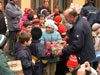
x: 32, y: 38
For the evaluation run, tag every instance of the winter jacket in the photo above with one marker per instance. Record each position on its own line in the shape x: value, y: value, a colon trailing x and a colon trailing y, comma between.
x: 39, y: 51
x: 25, y: 56
x: 4, y: 68
x: 13, y: 14
x: 81, y: 41
x: 52, y: 36
x: 91, y: 13
x: 3, y: 27
x: 24, y: 17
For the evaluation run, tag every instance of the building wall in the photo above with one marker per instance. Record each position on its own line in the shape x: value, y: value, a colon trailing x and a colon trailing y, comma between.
x: 25, y: 4
x: 36, y: 3
x: 79, y: 2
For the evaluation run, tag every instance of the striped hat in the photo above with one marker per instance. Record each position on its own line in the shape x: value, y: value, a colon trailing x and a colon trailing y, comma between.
x: 72, y: 62
x: 3, y: 40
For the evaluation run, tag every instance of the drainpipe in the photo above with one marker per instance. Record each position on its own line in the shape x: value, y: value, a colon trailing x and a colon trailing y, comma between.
x: 51, y: 6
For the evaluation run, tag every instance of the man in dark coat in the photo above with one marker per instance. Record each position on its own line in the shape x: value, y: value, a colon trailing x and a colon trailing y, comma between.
x: 45, y: 10
x: 90, y: 12
x: 3, y: 27
x: 80, y: 39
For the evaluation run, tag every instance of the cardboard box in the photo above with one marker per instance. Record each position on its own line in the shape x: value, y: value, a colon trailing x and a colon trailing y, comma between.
x: 16, y: 67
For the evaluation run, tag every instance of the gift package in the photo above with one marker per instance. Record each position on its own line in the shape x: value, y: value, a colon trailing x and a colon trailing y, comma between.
x: 16, y: 67
x: 52, y: 48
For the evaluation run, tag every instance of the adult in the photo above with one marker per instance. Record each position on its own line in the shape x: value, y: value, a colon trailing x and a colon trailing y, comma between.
x: 13, y: 14
x: 90, y: 12
x: 3, y: 27
x: 44, y: 9
x: 80, y: 39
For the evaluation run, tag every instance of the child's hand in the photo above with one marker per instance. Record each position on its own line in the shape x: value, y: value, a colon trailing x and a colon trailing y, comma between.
x: 60, y: 52
x: 33, y: 61
x: 63, y: 43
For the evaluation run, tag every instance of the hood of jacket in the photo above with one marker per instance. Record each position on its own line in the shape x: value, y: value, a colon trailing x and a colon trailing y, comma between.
x: 18, y: 47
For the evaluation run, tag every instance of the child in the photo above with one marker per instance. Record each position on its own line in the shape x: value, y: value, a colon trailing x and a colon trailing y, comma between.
x: 36, y: 22
x: 60, y: 70
x: 26, y: 12
x: 76, y: 69
x: 23, y: 53
x: 42, y: 22
x: 96, y: 35
x: 50, y: 34
x: 4, y: 69
x: 61, y: 28
x: 27, y: 26
x: 72, y: 65
x: 38, y: 50
x: 29, y: 17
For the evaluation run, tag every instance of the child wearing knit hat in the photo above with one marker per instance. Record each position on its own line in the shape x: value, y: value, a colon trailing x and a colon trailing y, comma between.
x: 62, y: 30
x: 4, y: 68
x: 50, y: 35
x: 36, y: 22
x: 72, y: 64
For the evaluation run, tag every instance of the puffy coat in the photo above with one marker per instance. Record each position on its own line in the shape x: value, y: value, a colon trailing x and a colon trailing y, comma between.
x: 25, y: 56
x: 53, y: 36
x: 39, y: 51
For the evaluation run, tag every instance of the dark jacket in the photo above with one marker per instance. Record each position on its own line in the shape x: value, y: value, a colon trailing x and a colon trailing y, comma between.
x: 91, y: 13
x: 38, y: 50
x: 40, y: 8
x: 3, y: 27
x: 81, y: 41
x: 25, y: 56
x: 4, y: 68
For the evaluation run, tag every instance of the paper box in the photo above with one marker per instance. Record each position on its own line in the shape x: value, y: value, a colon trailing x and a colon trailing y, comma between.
x: 55, y: 48
x: 16, y: 67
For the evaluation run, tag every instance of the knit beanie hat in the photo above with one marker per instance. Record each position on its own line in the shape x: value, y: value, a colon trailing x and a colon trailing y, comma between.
x: 3, y: 40
x: 73, y: 62
x: 61, y: 28
x: 28, y: 10
x: 51, y: 24
x: 95, y: 26
x: 36, y: 21
x: 36, y: 33
x: 57, y: 19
